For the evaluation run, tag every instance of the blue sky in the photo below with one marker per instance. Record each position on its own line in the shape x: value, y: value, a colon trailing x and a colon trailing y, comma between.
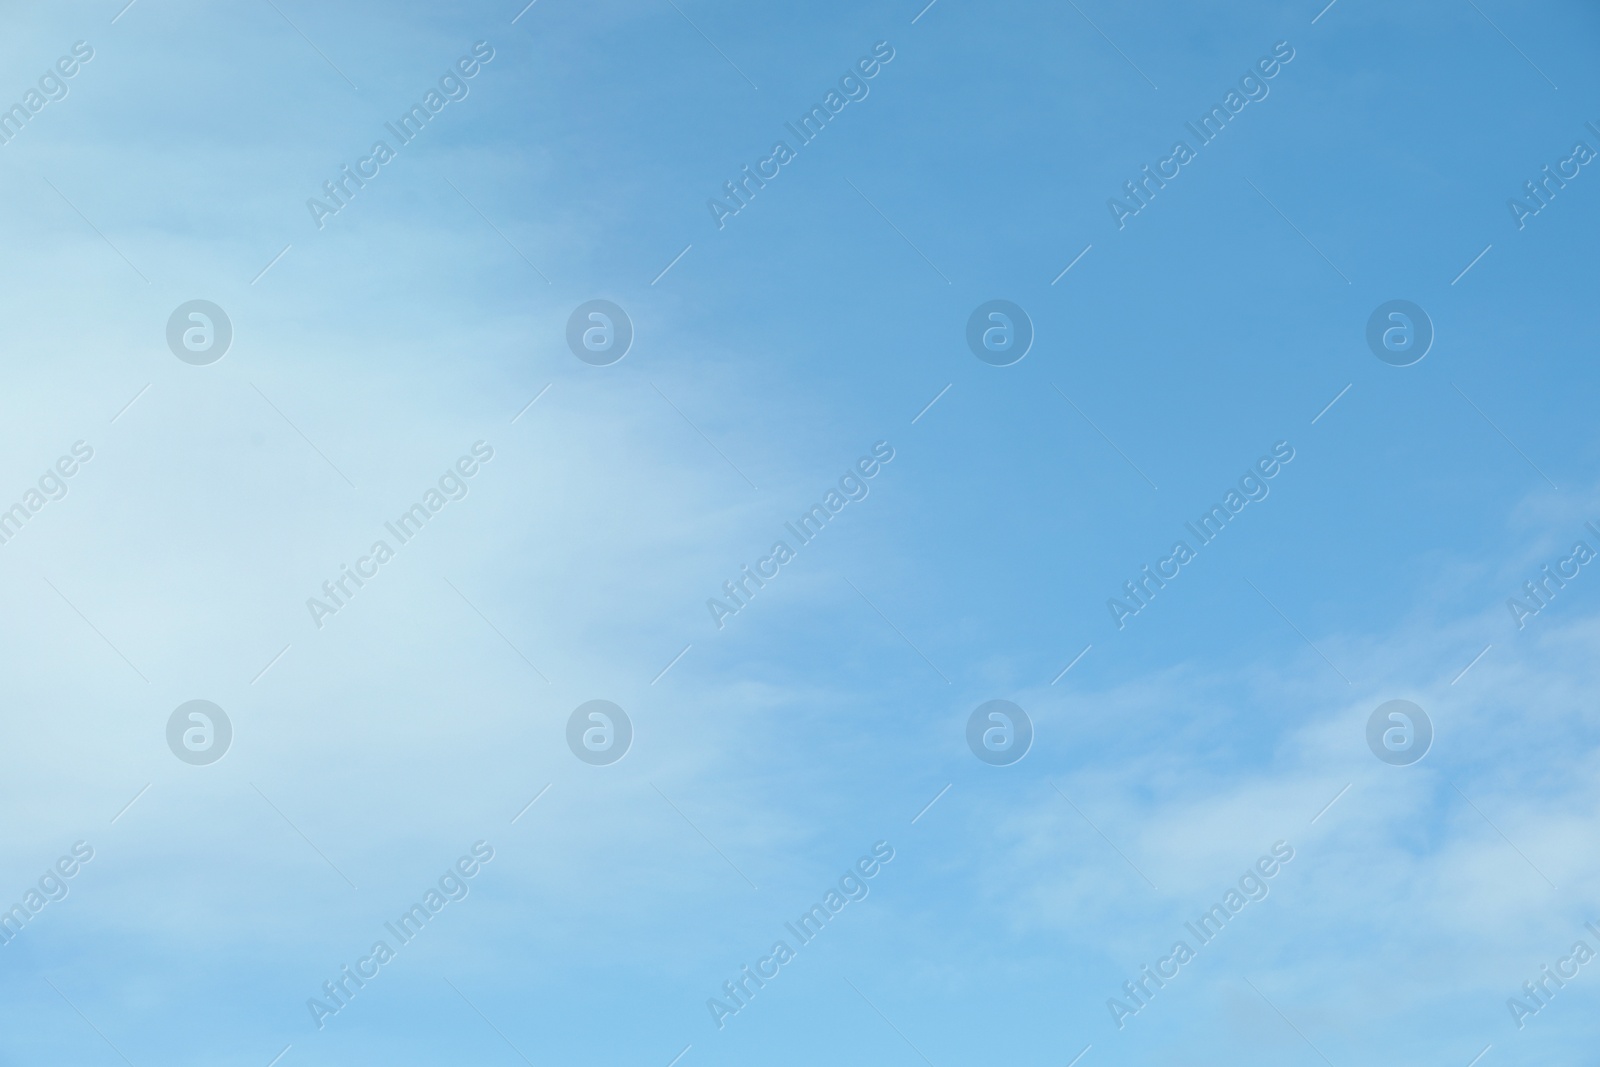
x: 369, y: 354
